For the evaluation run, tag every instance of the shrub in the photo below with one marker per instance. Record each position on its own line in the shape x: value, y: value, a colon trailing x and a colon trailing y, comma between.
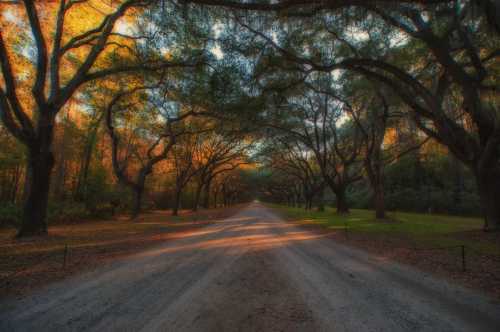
x: 10, y: 215
x: 66, y: 211
x: 360, y: 198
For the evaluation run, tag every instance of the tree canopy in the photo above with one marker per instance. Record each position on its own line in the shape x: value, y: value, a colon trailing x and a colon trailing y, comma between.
x: 179, y: 103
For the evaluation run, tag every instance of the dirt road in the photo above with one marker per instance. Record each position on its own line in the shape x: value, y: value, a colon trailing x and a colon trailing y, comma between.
x: 252, y: 272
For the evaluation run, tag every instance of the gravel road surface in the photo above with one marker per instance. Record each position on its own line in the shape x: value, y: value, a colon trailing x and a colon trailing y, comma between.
x: 252, y: 272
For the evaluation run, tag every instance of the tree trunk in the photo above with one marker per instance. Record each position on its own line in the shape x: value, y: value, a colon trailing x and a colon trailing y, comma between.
x: 60, y: 180
x: 177, y: 200
x: 15, y: 185
x: 309, y: 203
x: 197, y: 196
x: 206, y: 198
x: 488, y: 182
x: 321, y: 200
x: 342, y: 206
x: 39, y: 170
x: 34, y: 220
x: 375, y: 170
x: 379, y: 200
x: 137, y: 205
x: 308, y: 197
x: 224, y: 195
x: 296, y: 200
x: 138, y: 190
x: 457, y: 169
x: 216, y: 193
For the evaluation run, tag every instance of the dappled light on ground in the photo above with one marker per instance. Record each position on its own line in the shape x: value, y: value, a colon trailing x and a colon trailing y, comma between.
x: 252, y: 271
x: 31, y: 262
x: 243, y: 233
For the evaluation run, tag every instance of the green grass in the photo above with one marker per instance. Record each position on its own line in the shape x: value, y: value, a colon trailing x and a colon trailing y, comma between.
x: 413, y: 229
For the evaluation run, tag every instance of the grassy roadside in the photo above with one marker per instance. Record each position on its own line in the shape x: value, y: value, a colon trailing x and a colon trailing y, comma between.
x: 30, y: 263
x: 411, y: 238
x: 419, y: 230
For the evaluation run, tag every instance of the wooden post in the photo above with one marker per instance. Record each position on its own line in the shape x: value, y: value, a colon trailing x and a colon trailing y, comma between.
x: 65, y: 255
x: 463, y: 257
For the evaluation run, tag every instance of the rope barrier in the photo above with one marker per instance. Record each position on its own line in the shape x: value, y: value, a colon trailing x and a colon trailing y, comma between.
x: 437, y: 248
x: 463, y: 248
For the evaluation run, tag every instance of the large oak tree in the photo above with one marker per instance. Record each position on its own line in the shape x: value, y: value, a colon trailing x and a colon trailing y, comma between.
x: 93, y: 54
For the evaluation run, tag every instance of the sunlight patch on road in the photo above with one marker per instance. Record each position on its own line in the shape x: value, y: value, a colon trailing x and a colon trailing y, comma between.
x: 241, y: 239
